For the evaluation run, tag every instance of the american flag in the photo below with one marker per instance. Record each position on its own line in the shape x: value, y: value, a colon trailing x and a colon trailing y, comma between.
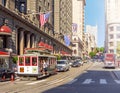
x: 42, y: 22
x: 44, y: 18
x: 67, y: 40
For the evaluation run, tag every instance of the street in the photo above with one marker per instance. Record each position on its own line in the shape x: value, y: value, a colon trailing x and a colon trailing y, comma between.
x: 94, y: 80
x: 89, y: 78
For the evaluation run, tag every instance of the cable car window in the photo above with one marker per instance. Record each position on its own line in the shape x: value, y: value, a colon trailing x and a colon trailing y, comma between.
x: 34, y: 61
x: 21, y: 61
x: 27, y: 61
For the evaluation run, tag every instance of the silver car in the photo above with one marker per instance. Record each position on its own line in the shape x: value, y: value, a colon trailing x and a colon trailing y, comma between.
x: 63, y: 65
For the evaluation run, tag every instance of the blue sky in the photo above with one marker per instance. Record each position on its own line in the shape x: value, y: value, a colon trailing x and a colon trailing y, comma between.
x: 94, y: 15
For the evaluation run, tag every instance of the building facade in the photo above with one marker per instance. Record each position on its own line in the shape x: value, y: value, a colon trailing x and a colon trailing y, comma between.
x: 63, y: 19
x: 20, y: 27
x: 112, y: 36
x: 78, y: 27
x: 90, y: 44
x: 93, y: 30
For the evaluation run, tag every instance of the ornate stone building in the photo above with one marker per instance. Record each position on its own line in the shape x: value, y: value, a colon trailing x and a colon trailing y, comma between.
x: 20, y: 27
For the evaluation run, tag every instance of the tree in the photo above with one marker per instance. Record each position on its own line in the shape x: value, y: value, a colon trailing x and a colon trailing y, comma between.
x: 97, y: 49
x: 101, y: 49
x: 14, y: 59
x: 58, y: 57
x: 92, y: 54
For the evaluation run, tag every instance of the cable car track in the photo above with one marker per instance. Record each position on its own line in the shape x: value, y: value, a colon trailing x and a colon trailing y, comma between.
x: 51, y: 82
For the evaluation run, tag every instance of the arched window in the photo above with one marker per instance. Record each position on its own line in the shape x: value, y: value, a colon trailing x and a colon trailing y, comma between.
x: 75, y: 52
x: 74, y: 39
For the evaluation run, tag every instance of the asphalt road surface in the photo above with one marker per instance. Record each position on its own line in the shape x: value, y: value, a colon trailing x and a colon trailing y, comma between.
x: 89, y: 78
x: 94, y: 80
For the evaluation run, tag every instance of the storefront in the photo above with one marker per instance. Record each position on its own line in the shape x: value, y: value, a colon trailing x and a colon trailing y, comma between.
x: 4, y: 60
x: 5, y: 33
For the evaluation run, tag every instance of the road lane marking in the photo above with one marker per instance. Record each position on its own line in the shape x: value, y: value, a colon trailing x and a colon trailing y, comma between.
x: 103, y: 81
x: 88, y: 81
x: 35, y: 82
x: 71, y: 82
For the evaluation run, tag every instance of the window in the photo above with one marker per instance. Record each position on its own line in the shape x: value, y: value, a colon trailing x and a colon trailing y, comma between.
x: 27, y: 61
x: 111, y: 36
x: 34, y: 61
x: 75, y: 52
x: 21, y: 61
x: 111, y: 43
x: 74, y: 45
x: 39, y: 8
x: 3, y: 64
x: 48, y: 5
x: 4, y: 2
x: 16, y: 4
x: 22, y: 7
x: 74, y: 39
x: 118, y: 36
x: 111, y: 51
x: 118, y: 28
x: 111, y: 28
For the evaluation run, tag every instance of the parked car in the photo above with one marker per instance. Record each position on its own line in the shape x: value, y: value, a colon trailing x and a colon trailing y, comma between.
x: 6, y: 74
x: 81, y: 62
x: 63, y: 65
x: 71, y: 62
x: 76, y: 64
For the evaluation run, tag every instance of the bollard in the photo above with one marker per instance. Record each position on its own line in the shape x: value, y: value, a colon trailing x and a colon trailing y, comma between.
x: 3, y: 78
x: 12, y: 77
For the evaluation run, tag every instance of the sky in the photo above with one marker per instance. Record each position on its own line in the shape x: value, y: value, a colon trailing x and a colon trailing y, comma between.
x: 95, y: 15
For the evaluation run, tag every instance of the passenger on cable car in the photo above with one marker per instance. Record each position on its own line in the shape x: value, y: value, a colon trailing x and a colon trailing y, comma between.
x: 45, y: 66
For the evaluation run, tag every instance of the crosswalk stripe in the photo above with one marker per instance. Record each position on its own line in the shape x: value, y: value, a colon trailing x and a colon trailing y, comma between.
x: 87, y: 81
x: 103, y: 81
x: 117, y: 81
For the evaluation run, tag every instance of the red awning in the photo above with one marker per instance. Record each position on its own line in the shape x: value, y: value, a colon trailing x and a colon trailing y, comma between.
x: 5, y: 30
x: 4, y: 53
x: 41, y: 44
x: 51, y: 47
x: 46, y: 46
x: 62, y: 52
